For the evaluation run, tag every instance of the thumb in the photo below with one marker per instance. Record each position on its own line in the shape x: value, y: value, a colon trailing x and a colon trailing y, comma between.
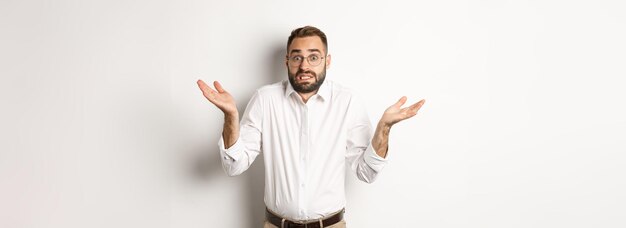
x: 218, y: 87
x: 400, y: 102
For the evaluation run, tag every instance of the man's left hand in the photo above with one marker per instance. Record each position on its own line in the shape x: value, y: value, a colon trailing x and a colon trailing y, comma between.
x: 396, y: 113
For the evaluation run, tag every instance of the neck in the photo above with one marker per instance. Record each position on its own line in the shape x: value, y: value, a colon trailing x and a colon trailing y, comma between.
x: 305, y: 96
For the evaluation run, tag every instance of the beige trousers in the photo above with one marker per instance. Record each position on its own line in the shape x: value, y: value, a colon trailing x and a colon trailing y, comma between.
x: 340, y: 224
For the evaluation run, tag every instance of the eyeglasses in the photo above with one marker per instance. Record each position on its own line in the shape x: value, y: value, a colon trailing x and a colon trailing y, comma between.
x: 313, y: 60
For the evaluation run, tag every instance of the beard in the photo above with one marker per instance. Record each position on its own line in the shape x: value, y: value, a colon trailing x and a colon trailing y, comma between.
x: 307, y: 87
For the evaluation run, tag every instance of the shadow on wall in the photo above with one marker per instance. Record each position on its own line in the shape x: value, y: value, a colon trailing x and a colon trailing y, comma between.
x: 209, y: 164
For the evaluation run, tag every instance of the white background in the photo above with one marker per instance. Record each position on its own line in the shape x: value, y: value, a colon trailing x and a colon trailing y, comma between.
x: 102, y: 125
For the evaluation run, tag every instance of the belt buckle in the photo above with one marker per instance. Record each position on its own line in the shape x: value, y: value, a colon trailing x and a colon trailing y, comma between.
x: 297, y: 224
x: 305, y: 224
x: 300, y: 224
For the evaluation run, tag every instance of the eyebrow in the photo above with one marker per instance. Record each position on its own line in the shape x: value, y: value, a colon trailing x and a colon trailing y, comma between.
x: 310, y: 50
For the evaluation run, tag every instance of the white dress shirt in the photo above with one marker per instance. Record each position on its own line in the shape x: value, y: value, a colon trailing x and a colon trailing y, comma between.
x: 306, y: 148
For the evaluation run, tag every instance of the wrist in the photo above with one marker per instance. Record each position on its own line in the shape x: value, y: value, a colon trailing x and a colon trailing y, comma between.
x: 231, y: 116
x: 384, y: 125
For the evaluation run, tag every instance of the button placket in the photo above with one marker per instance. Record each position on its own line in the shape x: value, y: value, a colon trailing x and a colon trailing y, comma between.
x: 304, y: 151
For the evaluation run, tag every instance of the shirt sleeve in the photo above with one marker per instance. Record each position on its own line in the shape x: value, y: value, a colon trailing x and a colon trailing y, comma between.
x: 361, y: 156
x: 239, y: 157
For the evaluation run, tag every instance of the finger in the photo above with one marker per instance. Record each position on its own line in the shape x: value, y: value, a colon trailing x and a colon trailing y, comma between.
x: 412, y: 110
x: 204, y: 87
x: 219, y: 87
x: 400, y: 102
x: 415, y: 107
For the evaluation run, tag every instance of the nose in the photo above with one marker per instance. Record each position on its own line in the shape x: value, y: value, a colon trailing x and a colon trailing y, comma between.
x: 304, y: 65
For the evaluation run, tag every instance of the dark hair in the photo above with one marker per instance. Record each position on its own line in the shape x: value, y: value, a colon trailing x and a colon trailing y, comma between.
x: 308, y: 31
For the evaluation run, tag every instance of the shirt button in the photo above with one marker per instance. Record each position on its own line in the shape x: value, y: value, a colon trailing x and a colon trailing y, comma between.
x: 302, y: 185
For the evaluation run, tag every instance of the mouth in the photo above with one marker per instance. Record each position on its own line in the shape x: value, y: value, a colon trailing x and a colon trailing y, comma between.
x: 304, y: 77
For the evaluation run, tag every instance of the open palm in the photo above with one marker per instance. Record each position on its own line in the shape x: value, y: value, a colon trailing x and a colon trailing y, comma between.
x: 396, y: 113
x: 219, y: 97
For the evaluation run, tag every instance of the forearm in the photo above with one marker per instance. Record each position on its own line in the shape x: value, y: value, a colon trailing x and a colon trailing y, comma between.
x: 230, y: 132
x: 380, y: 141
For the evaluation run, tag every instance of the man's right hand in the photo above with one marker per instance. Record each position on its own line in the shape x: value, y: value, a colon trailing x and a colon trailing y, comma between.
x: 220, y: 98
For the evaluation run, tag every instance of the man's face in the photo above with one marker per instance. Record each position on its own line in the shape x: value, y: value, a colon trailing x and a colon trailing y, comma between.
x: 304, y: 76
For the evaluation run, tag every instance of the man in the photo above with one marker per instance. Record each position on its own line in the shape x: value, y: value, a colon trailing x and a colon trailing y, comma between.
x: 308, y: 129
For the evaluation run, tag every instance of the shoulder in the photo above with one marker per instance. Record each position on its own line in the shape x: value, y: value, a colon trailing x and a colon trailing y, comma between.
x: 341, y: 92
x: 271, y: 90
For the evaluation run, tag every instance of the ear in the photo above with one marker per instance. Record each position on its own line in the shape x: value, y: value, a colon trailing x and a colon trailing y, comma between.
x: 287, y: 61
x: 328, y: 58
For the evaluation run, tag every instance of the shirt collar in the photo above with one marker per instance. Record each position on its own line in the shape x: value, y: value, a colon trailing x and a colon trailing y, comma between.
x: 323, y: 92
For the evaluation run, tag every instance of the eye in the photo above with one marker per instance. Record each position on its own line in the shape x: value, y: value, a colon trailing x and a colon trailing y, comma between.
x: 314, y: 58
x: 297, y: 58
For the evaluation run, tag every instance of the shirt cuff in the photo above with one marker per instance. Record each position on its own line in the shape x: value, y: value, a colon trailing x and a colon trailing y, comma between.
x: 377, y: 163
x: 234, y: 152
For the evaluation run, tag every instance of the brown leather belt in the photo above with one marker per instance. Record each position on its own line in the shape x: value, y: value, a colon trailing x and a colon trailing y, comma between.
x: 284, y: 223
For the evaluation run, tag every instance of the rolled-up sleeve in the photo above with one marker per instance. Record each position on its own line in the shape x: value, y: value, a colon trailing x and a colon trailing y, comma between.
x: 361, y: 156
x: 373, y: 160
x: 239, y: 157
